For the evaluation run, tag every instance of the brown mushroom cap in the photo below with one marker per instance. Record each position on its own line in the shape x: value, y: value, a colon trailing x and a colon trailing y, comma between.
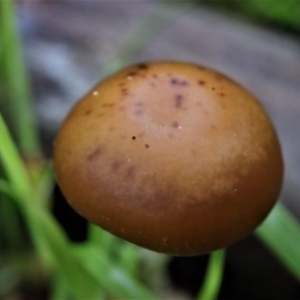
x: 174, y: 157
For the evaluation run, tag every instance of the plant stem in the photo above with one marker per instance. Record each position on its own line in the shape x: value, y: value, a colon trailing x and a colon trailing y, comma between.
x: 16, y: 83
x: 213, y: 278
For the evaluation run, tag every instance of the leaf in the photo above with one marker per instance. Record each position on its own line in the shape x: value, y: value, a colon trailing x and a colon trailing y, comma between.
x: 112, y: 278
x: 16, y: 81
x: 280, y: 232
x: 129, y: 258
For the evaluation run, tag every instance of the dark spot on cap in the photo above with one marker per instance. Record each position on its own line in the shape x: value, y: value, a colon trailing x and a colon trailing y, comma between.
x: 222, y: 94
x: 111, y: 129
x: 139, y: 112
x: 174, y: 81
x: 201, y: 68
x: 124, y: 91
x: 139, y: 104
x: 110, y: 105
x: 201, y: 82
x: 183, y: 83
x: 95, y: 154
x: 130, y: 172
x: 175, y: 124
x: 121, y: 83
x: 116, y: 165
x: 213, y: 88
x: 154, y: 76
x: 180, y: 82
x: 131, y: 73
x: 133, y: 138
x: 219, y: 76
x: 142, y: 66
x: 147, y: 146
x: 178, y: 101
x: 100, y: 115
x: 88, y: 112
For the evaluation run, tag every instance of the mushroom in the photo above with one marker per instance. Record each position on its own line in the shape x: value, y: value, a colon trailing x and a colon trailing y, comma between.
x: 171, y: 156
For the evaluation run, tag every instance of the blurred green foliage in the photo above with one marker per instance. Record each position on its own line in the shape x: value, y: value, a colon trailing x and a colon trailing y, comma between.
x: 282, y: 14
x: 17, y: 89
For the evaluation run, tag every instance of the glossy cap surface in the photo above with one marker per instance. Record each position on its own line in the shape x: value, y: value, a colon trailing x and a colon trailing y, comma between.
x: 170, y: 156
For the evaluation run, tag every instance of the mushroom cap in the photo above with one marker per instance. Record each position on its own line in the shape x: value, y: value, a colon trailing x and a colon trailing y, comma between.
x: 171, y: 156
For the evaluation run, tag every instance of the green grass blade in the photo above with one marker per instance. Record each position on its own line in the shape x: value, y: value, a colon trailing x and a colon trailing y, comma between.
x: 153, y: 266
x: 12, y: 161
x: 16, y: 82
x: 111, y: 277
x: 127, y: 254
x: 98, y: 236
x: 280, y: 12
x: 280, y: 232
x: 129, y: 258
x: 113, y: 257
x: 214, y: 275
x: 11, y: 227
x: 59, y: 289
x: 80, y: 281
x: 5, y: 188
x: 45, y: 184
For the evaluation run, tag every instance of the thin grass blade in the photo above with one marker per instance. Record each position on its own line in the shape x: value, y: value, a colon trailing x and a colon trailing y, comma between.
x: 213, y: 277
x: 280, y: 232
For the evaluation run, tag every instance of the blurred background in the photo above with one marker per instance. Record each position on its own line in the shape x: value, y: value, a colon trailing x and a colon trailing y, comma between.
x: 67, y: 47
